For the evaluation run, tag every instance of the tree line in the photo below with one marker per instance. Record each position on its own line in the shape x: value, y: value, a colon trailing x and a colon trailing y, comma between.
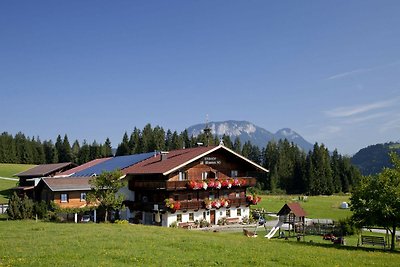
x: 291, y: 169
x: 25, y: 150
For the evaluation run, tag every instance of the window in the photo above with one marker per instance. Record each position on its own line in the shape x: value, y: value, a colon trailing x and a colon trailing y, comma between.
x: 189, y: 197
x: 239, y: 212
x: 204, y: 175
x: 228, y: 213
x: 234, y: 173
x: 64, y: 197
x: 191, y: 216
x: 83, y: 196
x: 183, y: 176
x: 179, y: 217
x: 211, y: 196
x: 237, y: 194
x: 176, y: 197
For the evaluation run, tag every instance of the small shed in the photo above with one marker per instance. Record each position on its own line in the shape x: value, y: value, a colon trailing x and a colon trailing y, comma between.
x: 294, y: 215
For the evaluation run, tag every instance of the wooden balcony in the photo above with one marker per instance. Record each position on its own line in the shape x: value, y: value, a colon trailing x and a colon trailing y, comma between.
x: 174, y: 185
x: 185, y: 205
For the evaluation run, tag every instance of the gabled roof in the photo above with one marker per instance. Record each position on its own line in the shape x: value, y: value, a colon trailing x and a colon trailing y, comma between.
x: 293, y: 207
x: 43, y: 170
x: 115, y: 163
x: 67, y: 183
x: 177, y: 159
x: 81, y: 167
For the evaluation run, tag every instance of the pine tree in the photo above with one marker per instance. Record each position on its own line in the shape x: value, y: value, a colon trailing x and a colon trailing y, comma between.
x: 59, y: 148
x: 50, y: 152
x: 237, y: 146
x: 107, y: 148
x: 75, y: 151
x: 159, y: 138
x: 66, y: 153
x: 123, y: 148
x: 84, y: 153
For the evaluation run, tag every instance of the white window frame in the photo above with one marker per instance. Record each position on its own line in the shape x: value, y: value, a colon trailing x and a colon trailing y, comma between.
x: 183, y: 176
x: 64, y: 197
x: 83, y: 196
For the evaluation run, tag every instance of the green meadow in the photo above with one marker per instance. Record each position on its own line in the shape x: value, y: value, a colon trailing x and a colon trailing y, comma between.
x: 316, y: 207
x: 27, y: 243
x: 8, y: 170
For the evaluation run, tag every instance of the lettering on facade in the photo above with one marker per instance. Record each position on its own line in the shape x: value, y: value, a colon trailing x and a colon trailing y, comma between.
x: 211, y: 161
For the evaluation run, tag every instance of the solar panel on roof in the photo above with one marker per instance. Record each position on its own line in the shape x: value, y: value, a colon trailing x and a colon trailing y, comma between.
x: 116, y: 163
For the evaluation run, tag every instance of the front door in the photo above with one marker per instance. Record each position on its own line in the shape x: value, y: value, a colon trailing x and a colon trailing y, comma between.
x: 212, y: 216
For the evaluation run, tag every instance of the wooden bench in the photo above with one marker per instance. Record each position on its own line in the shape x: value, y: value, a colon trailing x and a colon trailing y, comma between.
x: 373, y: 240
x: 186, y: 225
x: 232, y: 220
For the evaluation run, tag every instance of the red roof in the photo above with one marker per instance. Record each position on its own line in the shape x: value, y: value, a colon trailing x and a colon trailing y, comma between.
x: 82, y: 167
x: 174, y: 159
x: 177, y: 159
x: 293, y: 207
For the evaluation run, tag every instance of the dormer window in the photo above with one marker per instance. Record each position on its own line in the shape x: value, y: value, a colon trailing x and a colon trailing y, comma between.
x: 234, y: 173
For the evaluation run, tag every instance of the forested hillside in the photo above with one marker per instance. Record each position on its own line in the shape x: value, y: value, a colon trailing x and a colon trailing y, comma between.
x: 372, y: 159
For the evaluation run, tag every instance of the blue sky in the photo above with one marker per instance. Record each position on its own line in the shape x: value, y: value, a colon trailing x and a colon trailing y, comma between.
x: 329, y: 70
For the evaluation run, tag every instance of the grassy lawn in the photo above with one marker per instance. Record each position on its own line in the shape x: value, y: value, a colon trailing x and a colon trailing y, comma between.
x: 26, y: 243
x: 8, y: 170
x: 323, y: 207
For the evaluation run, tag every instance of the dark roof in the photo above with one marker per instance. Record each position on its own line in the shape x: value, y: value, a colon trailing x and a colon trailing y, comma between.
x: 82, y: 167
x: 115, y: 163
x: 177, y: 159
x: 292, y: 207
x: 44, y: 170
x: 67, y: 183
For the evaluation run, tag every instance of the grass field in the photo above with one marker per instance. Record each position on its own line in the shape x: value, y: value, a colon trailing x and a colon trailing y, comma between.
x: 322, y: 207
x: 26, y: 243
x: 8, y: 170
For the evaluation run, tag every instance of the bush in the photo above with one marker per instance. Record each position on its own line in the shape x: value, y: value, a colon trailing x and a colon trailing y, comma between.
x: 204, y: 223
x: 174, y: 224
x: 19, y: 209
x: 222, y: 221
x: 346, y: 227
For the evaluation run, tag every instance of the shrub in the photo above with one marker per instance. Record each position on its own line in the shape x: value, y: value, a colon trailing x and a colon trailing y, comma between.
x: 19, y: 209
x: 222, y: 221
x: 204, y: 223
x: 346, y: 227
x: 174, y: 224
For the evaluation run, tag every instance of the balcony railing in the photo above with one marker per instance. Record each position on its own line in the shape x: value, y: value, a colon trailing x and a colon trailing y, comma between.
x: 175, y: 185
x: 184, y: 205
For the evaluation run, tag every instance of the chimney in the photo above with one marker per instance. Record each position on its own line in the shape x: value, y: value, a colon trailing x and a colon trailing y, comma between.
x: 164, y: 155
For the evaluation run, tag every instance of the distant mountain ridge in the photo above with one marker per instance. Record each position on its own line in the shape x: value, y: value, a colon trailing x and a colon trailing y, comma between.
x: 247, y: 131
x: 372, y: 159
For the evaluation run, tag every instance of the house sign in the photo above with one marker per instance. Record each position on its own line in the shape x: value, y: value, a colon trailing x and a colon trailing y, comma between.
x: 211, y: 161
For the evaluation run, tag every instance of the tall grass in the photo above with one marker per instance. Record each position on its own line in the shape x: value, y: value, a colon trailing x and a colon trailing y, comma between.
x: 26, y: 243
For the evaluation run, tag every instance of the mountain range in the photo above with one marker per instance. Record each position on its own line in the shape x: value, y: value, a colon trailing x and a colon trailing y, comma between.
x: 247, y: 131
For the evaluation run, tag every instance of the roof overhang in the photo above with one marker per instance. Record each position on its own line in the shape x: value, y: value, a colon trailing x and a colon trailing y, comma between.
x: 210, y: 151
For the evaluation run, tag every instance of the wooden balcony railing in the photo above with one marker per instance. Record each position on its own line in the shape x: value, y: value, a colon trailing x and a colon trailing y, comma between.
x: 174, y: 185
x: 185, y: 205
